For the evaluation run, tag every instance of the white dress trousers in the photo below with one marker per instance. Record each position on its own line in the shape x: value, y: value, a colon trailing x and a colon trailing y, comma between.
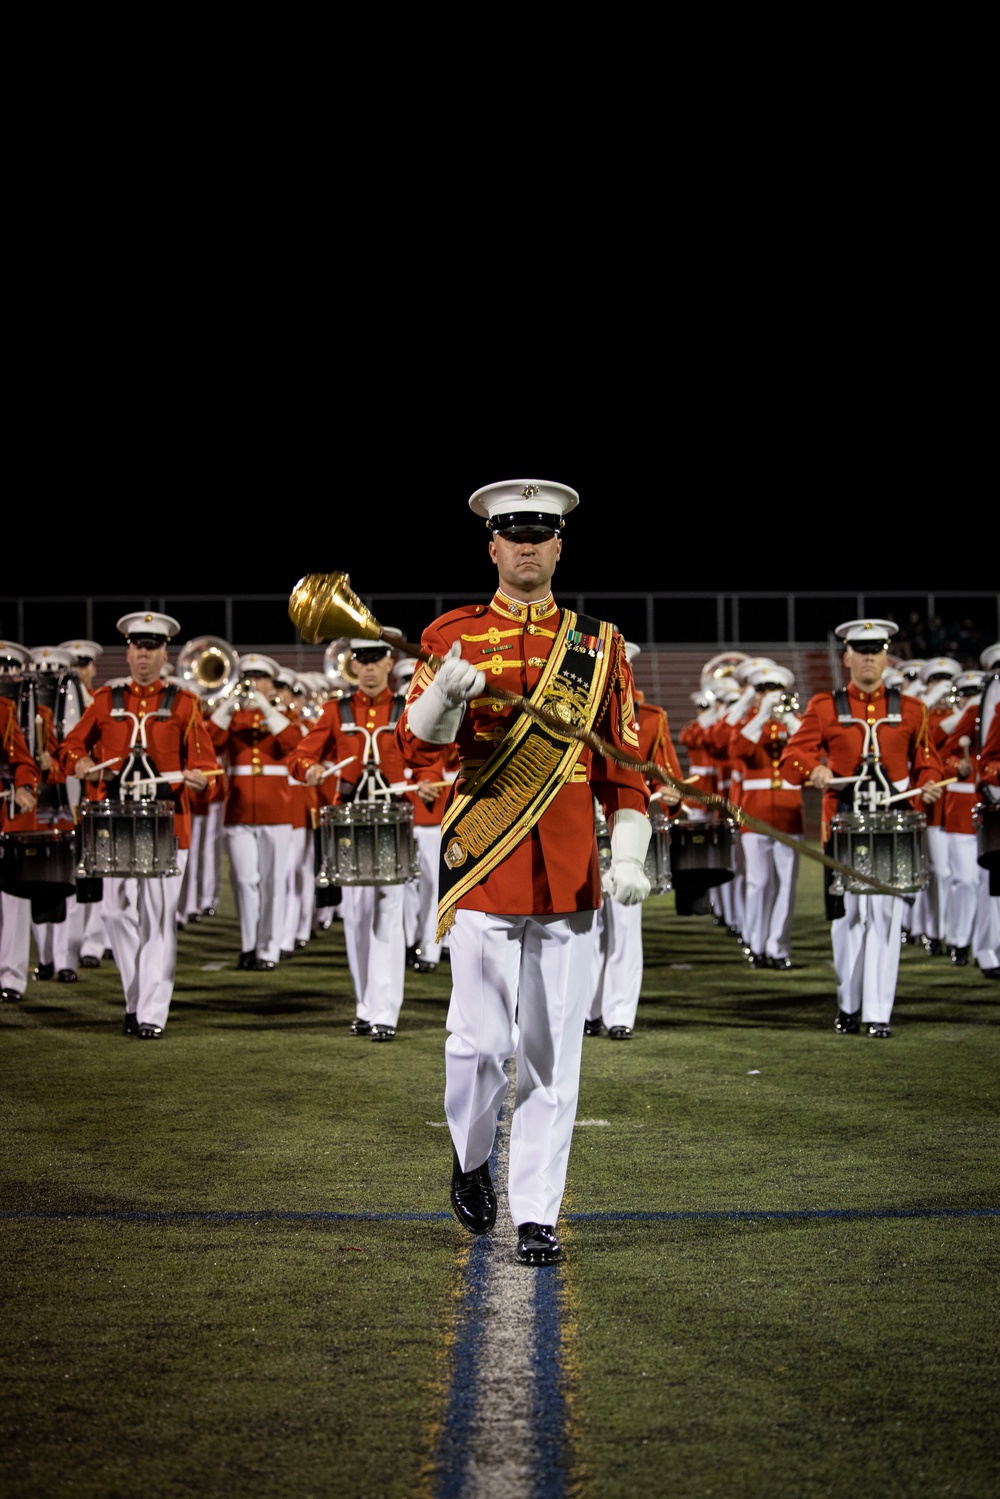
x: 520, y: 987
x: 300, y: 889
x: 420, y: 901
x: 140, y: 916
x: 772, y: 871
x: 866, y: 947
x: 15, y: 942
x: 617, y: 968
x: 376, y: 949
x: 258, y: 869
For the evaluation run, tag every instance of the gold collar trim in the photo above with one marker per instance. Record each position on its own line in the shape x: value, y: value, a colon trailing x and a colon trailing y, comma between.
x: 510, y: 608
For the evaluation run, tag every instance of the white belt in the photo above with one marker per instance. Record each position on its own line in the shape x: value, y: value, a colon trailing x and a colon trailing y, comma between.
x: 259, y: 770
x: 967, y: 786
x: 764, y: 784
x: 702, y: 770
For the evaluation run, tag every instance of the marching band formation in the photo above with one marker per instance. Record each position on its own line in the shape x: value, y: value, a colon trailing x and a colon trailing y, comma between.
x: 501, y: 794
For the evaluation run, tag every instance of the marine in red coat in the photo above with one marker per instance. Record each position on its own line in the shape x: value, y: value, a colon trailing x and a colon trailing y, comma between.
x: 520, y: 874
x: 891, y: 752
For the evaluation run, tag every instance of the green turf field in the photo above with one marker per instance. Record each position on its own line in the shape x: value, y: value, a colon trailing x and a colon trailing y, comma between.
x: 229, y: 1267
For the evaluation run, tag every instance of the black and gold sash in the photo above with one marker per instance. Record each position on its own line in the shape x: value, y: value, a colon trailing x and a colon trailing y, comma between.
x: 506, y: 797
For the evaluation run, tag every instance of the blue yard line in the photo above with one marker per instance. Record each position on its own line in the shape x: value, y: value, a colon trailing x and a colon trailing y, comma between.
x: 269, y: 1215
x: 549, y: 1405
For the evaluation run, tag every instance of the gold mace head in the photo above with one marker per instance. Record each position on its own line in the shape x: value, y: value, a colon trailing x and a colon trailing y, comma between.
x: 323, y: 607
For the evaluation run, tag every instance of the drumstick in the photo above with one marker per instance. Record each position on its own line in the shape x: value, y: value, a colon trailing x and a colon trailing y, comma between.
x: 903, y: 796
x: 332, y: 770
x: 103, y: 765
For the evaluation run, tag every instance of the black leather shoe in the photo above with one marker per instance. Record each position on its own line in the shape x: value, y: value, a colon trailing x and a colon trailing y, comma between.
x: 933, y: 947
x: 195, y: 917
x: 847, y: 1024
x: 959, y: 956
x: 263, y: 965
x: 383, y: 1033
x: 109, y: 954
x: 247, y: 960
x: 208, y: 911
x: 411, y: 954
x: 782, y: 964
x: 619, y: 1033
x: 537, y: 1244
x: 421, y: 965
x: 149, y: 1032
x: 300, y: 943
x: 880, y: 1031
x: 989, y: 973
x: 593, y: 1027
x: 131, y: 1026
x: 43, y: 971
x: 758, y: 960
x: 359, y: 1027
x: 90, y: 962
x: 66, y: 976
x: 10, y: 996
x: 473, y: 1199
x: 285, y: 954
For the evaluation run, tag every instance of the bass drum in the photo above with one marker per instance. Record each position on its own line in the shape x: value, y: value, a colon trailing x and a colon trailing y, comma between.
x: 989, y: 707
x: 986, y: 821
x: 889, y: 846
x: 39, y: 866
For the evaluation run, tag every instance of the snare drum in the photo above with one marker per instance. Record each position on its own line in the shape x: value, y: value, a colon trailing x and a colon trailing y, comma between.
x: 127, y: 840
x: 367, y: 843
x: 657, y: 865
x: 38, y: 863
x: 702, y: 854
x: 890, y: 846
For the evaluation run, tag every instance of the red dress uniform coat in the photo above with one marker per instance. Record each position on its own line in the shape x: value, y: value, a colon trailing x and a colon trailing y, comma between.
x: 773, y: 802
x: 554, y: 868
x: 334, y: 740
x: 701, y: 763
x: 18, y: 767
x: 255, y: 758
x: 178, y: 743
x: 656, y: 745
x: 907, y: 756
x: 961, y: 798
x: 305, y: 799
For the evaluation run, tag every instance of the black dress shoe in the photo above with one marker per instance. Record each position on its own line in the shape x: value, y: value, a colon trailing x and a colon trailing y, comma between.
x: 43, y: 971
x: 383, y: 1033
x: 593, y: 1027
x: 421, y: 965
x: 263, y: 965
x: 473, y: 1199
x: 300, y: 943
x: 208, y: 911
x: 758, y: 960
x: 66, y: 976
x: 90, y: 962
x: 195, y: 916
x: 619, y: 1033
x: 537, y: 1244
x: 359, y: 1027
x: 131, y: 1026
x: 933, y: 946
x: 247, y: 960
x: 959, y: 956
x: 411, y: 954
x: 782, y: 964
x: 10, y: 996
x: 846, y: 1023
x: 284, y: 955
x: 989, y: 973
x: 107, y: 953
x: 879, y: 1030
x: 149, y: 1032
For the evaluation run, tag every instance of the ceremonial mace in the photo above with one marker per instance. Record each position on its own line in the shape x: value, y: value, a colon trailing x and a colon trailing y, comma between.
x: 323, y: 606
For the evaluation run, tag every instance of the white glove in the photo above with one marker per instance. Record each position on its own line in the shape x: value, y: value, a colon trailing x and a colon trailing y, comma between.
x: 275, y: 719
x: 224, y: 712
x: 710, y: 715
x: 793, y: 723
x: 437, y: 712
x: 755, y: 727
x: 741, y: 705
x: 626, y: 879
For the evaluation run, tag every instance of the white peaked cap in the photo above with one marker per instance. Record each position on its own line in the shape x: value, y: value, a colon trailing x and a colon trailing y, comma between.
x: 991, y: 656
x: 78, y: 648
x: 371, y: 645
x: 892, y: 678
x: 254, y: 662
x: 969, y: 682
x: 142, y: 622
x: 51, y: 658
x: 514, y: 496
x: 743, y: 670
x: 866, y: 629
x: 14, y: 654
x: 940, y: 666
x: 771, y: 676
x: 911, y: 669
